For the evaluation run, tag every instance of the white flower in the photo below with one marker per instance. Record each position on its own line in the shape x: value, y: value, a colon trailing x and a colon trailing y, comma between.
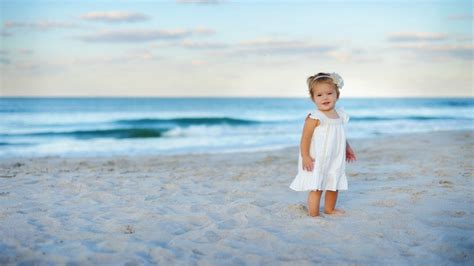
x: 337, y: 80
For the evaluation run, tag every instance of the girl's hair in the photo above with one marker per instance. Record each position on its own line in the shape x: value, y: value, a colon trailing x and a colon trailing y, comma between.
x: 311, y: 81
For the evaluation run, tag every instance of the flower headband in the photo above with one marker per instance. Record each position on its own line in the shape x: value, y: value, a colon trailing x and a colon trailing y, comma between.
x: 336, y: 78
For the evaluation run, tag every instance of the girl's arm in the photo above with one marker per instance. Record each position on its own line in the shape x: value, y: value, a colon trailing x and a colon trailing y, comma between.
x: 308, y: 129
x: 350, y: 155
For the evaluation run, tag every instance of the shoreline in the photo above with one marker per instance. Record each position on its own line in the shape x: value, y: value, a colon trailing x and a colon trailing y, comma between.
x: 218, y: 153
x: 410, y: 200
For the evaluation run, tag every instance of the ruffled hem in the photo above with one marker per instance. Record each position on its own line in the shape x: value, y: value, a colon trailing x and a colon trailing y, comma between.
x: 301, y: 183
x: 314, y: 189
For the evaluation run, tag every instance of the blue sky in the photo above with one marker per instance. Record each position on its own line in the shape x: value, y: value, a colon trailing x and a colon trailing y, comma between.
x: 234, y: 48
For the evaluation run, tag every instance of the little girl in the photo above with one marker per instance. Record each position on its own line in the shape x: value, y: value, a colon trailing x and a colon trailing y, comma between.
x: 323, y: 148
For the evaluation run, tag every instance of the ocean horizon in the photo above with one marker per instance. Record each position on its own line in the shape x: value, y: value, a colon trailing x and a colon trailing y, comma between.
x: 110, y: 126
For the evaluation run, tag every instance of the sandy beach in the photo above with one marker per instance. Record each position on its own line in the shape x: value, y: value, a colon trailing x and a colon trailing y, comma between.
x: 410, y: 201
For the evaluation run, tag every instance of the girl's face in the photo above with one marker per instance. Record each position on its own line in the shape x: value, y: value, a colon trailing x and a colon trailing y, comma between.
x: 325, y: 96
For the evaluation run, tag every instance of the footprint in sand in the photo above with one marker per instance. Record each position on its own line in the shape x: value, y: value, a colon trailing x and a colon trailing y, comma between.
x: 263, y: 203
x: 197, y: 252
x: 298, y: 209
x: 170, y: 186
x: 467, y: 174
x: 457, y: 213
x: 18, y: 164
x: 384, y: 203
x: 416, y: 195
x: 445, y: 183
x: 129, y: 229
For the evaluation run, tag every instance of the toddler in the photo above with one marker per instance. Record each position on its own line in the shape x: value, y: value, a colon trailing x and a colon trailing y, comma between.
x: 323, y: 148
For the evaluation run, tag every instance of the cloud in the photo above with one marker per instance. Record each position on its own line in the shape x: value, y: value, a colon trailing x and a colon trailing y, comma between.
x: 198, y: 62
x: 4, y: 33
x: 134, y: 55
x: 464, y: 52
x: 25, y: 51
x: 461, y: 17
x: 426, y: 46
x: 28, y: 66
x: 274, y: 46
x: 204, y: 31
x: 39, y: 68
x: 202, y: 45
x: 465, y: 38
x: 416, y: 36
x: 40, y: 25
x: 356, y: 55
x: 4, y: 61
x: 137, y: 35
x: 114, y: 16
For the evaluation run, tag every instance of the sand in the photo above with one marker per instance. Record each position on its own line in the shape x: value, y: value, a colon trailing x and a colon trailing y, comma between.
x: 410, y: 201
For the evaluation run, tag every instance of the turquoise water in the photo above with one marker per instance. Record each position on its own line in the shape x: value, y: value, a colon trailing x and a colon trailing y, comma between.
x: 134, y: 126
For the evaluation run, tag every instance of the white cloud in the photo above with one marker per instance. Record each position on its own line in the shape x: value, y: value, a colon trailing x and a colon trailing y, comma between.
x: 135, y: 55
x: 464, y: 52
x: 4, y: 33
x: 198, y: 62
x: 416, y: 36
x: 114, y: 16
x: 460, y: 17
x: 202, y: 45
x: 39, y: 25
x: 39, y: 68
x: 137, y: 35
x: 25, y: 51
x: 204, y: 31
x: 280, y: 48
x: 275, y: 46
x: 4, y: 61
x: 354, y: 55
x: 427, y: 46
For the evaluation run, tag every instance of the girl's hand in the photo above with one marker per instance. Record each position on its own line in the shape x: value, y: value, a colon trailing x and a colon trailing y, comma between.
x: 308, y: 163
x: 350, y: 155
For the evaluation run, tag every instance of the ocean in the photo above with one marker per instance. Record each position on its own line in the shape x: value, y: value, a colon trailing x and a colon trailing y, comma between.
x: 70, y: 127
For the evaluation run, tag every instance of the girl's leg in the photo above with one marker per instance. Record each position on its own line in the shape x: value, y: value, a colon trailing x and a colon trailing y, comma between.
x: 330, y: 202
x: 314, y: 198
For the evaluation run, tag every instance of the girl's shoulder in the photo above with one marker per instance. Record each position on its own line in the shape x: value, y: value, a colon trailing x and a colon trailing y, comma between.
x: 318, y: 115
x: 342, y: 114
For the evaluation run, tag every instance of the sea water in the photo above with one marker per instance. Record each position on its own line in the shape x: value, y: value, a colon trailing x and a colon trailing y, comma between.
x: 154, y: 126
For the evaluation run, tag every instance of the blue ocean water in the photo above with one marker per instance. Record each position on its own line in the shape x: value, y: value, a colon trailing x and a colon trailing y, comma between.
x: 134, y: 126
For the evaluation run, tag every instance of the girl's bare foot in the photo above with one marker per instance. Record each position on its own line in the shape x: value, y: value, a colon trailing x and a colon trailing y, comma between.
x: 336, y: 212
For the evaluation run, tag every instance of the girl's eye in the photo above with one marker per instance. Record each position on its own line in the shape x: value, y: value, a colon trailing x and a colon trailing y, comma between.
x: 319, y: 95
x: 330, y: 93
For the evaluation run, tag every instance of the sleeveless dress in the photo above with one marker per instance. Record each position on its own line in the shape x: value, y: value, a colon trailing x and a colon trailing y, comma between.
x: 328, y: 149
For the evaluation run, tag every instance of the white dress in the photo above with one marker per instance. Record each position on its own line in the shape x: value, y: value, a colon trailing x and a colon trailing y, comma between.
x: 328, y: 149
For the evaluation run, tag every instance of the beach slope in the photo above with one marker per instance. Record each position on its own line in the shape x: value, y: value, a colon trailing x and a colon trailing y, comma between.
x: 410, y: 201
